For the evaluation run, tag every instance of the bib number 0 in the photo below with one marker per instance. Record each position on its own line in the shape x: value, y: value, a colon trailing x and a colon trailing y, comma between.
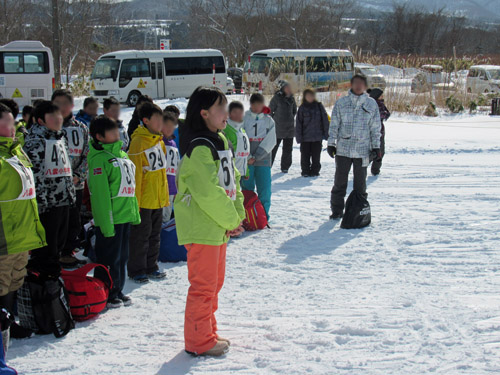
x: 74, y: 136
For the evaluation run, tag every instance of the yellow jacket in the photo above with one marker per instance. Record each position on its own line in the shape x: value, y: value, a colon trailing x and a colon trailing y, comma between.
x: 147, y: 152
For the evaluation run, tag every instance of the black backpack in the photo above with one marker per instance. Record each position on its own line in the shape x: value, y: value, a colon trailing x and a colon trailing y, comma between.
x: 357, y: 212
x: 43, y: 305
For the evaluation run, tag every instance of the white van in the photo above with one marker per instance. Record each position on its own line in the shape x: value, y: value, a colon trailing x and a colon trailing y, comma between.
x: 126, y: 75
x: 374, y: 78
x: 483, y: 79
x: 26, y: 71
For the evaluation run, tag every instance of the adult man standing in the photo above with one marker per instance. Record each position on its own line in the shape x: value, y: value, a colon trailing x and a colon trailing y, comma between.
x: 354, y: 134
x: 283, y: 110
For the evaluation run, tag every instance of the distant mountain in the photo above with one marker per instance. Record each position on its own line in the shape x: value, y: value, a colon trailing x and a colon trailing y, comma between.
x: 479, y: 9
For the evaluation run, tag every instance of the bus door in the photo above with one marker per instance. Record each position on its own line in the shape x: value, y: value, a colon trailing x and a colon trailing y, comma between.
x: 157, y: 77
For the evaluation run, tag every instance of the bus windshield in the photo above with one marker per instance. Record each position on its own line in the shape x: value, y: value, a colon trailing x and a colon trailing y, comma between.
x: 260, y: 64
x: 494, y: 74
x: 104, y: 69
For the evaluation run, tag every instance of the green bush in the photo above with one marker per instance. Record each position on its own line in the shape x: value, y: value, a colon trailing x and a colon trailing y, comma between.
x: 454, y: 104
x: 430, y: 110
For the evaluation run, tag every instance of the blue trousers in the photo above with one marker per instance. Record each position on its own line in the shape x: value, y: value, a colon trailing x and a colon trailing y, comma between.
x: 113, y: 253
x: 260, y: 177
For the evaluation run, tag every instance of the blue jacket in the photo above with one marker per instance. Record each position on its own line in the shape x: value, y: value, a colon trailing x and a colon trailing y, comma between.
x: 83, y: 117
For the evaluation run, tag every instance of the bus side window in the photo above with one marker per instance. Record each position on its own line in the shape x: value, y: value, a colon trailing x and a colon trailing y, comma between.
x: 153, y: 70
x: 12, y: 62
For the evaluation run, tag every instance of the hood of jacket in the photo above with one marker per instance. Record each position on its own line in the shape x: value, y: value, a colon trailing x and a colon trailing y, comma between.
x: 234, y: 124
x: 40, y: 131
x: 146, y: 138
x: 96, y: 148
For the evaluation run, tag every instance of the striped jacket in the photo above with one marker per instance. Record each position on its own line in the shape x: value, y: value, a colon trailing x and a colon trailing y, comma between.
x: 355, y: 126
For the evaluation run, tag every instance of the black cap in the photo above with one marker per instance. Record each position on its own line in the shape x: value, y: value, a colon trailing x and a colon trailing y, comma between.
x: 375, y: 93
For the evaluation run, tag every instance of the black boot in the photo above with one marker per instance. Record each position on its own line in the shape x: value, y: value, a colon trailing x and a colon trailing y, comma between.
x: 16, y: 331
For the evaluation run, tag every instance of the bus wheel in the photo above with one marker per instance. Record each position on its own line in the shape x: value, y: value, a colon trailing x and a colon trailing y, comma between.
x: 133, y: 98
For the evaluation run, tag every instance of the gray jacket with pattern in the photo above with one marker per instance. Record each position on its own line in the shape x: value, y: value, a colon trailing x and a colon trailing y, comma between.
x: 51, y: 191
x: 355, y: 126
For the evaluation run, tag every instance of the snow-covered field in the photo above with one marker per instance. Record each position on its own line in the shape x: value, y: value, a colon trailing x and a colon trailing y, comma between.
x: 417, y: 292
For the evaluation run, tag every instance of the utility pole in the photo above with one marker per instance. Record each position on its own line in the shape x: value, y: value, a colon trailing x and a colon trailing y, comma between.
x: 56, y: 43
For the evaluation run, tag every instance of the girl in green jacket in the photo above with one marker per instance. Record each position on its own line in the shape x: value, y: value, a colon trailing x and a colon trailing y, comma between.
x: 20, y: 227
x: 208, y: 209
x: 114, y: 204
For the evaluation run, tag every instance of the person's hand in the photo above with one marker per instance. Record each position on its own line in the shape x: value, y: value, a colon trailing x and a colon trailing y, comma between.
x: 76, y: 180
x: 331, y: 150
x: 235, y: 232
x: 377, y: 152
x: 251, y: 161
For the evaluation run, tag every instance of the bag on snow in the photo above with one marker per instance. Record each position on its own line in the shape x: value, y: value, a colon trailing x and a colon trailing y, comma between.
x: 43, y: 305
x: 170, y: 250
x: 357, y: 212
x: 256, y: 217
x: 87, y: 295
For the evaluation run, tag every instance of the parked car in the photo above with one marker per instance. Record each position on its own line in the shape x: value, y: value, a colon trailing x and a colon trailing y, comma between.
x: 373, y: 76
x: 483, y: 79
x: 237, y: 75
x: 230, y: 85
x: 431, y: 77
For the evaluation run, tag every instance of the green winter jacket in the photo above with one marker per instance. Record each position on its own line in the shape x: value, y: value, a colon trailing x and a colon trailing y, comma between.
x: 203, y: 211
x: 104, y: 181
x: 20, y: 226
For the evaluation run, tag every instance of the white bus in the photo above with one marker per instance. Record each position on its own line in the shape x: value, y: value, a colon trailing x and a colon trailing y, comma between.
x: 324, y: 69
x: 26, y: 71
x: 126, y: 75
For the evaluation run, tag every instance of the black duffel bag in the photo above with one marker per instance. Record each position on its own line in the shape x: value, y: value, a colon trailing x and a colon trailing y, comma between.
x: 43, y: 305
x: 357, y: 212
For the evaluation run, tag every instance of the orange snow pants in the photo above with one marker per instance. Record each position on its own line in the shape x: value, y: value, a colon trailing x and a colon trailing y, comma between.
x: 206, y: 270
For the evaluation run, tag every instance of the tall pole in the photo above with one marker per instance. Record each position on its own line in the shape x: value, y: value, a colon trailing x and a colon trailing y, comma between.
x: 56, y: 43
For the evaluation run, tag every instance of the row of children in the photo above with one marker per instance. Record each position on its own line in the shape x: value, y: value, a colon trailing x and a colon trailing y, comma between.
x: 41, y: 186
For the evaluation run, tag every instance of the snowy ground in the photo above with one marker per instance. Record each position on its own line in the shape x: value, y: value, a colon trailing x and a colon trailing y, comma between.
x: 417, y: 292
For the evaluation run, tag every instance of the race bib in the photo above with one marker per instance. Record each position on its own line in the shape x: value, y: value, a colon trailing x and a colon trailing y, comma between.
x: 57, y: 162
x: 243, y: 146
x: 172, y: 160
x: 156, y: 158
x: 127, y: 184
x: 226, y: 173
x: 27, y: 179
x: 257, y: 132
x: 75, y: 137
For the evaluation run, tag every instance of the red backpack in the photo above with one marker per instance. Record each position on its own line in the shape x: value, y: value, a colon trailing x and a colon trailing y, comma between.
x: 256, y: 217
x: 87, y: 295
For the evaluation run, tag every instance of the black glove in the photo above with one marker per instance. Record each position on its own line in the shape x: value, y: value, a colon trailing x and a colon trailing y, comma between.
x: 332, y: 150
x: 377, y: 155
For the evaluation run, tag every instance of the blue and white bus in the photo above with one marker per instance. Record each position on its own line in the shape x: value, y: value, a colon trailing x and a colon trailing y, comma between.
x: 323, y: 69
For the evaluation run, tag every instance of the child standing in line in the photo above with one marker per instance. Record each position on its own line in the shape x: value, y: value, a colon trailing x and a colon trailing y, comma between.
x: 89, y: 111
x: 172, y: 155
x: 77, y: 135
x: 208, y: 209
x: 19, y: 221
x: 47, y: 148
x: 147, y: 152
x: 114, y: 204
x: 21, y: 130
x: 237, y: 135
x: 261, y: 132
x: 111, y: 108
x: 311, y: 129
